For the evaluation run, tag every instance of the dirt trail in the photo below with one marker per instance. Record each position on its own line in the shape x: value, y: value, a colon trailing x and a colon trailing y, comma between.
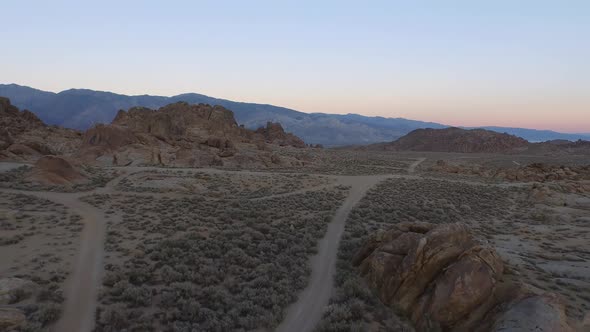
x: 81, y: 290
x: 305, y: 314
x: 412, y: 167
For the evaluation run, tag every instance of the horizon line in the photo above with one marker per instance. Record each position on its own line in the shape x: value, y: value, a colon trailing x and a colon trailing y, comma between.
x: 310, y: 113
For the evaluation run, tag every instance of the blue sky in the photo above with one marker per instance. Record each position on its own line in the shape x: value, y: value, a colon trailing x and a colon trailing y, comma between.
x: 511, y: 63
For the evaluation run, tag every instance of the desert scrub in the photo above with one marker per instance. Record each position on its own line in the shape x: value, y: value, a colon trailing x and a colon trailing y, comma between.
x: 208, y: 265
x: 216, y: 185
x: 16, y: 179
x: 28, y: 222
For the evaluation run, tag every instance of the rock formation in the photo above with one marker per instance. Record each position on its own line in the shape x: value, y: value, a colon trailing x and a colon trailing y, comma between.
x: 274, y: 133
x: 572, y: 179
x: 184, y: 135
x: 444, y: 279
x: 23, y: 137
x: 455, y: 140
x: 54, y: 170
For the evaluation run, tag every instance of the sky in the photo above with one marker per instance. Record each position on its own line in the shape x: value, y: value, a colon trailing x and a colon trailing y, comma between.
x: 472, y: 63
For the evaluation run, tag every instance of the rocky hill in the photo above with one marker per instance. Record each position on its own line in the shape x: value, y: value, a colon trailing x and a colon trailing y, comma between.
x: 183, y: 135
x: 23, y: 135
x: 455, y: 140
x: 177, y: 134
x: 83, y: 108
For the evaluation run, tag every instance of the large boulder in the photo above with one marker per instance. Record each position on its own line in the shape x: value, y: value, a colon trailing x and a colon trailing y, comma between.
x: 444, y: 279
x: 54, y: 170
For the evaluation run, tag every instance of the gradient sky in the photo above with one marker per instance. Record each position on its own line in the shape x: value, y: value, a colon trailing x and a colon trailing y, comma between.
x: 510, y: 63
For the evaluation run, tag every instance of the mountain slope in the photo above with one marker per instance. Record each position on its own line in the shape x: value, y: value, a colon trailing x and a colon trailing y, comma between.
x: 81, y: 108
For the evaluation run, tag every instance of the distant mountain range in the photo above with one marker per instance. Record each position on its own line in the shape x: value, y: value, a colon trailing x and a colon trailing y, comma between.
x: 82, y: 108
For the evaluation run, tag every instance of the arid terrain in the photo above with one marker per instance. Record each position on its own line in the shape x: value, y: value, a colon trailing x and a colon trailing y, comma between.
x: 225, y: 229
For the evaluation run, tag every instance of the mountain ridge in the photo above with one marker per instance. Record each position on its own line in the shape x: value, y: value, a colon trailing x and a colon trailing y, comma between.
x: 83, y: 108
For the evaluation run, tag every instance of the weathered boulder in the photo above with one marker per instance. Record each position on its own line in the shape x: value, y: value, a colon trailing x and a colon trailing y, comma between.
x: 444, y: 279
x: 56, y: 170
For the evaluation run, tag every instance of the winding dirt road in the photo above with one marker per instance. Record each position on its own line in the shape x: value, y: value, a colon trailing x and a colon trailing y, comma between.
x: 81, y: 290
x: 307, y: 311
x: 304, y: 314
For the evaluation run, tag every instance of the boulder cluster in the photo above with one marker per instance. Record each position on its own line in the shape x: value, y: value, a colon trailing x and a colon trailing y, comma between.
x: 572, y: 179
x: 444, y: 279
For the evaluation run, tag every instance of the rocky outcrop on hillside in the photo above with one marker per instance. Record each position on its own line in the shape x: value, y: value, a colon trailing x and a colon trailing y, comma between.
x: 178, y: 134
x: 23, y: 137
x: 570, y: 178
x: 184, y: 135
x: 15, y: 122
x: 274, y: 133
x: 455, y: 140
x: 444, y: 279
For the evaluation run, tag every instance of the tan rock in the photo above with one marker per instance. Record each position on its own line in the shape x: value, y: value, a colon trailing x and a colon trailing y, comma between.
x: 56, y: 170
x: 444, y: 279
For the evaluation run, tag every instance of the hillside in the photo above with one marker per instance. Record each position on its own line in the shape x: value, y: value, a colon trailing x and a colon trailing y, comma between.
x: 81, y: 108
x: 455, y: 140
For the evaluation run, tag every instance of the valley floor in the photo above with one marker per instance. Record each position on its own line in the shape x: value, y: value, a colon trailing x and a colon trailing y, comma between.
x: 211, y: 249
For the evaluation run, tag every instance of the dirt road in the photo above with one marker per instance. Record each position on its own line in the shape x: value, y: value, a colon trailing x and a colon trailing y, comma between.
x: 305, y: 314
x: 81, y: 289
x: 82, y: 286
x: 412, y: 167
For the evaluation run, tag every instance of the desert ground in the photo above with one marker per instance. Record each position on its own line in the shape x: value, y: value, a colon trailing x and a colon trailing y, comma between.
x: 218, y: 249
